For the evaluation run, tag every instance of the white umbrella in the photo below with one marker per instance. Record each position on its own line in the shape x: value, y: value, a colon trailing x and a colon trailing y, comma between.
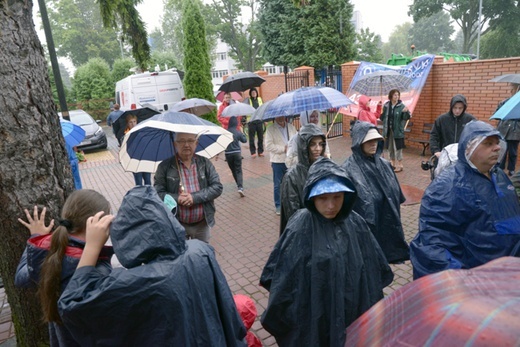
x: 194, y: 106
x: 239, y: 109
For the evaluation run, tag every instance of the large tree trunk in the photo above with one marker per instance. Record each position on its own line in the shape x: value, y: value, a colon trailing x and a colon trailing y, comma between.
x: 34, y: 168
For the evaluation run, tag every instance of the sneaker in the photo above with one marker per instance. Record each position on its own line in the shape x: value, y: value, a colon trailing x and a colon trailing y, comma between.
x: 261, y: 155
x: 511, y: 173
x: 241, y: 192
x: 277, y: 211
x: 253, y: 155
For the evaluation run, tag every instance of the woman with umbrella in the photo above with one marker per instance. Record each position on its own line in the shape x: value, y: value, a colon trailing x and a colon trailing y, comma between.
x: 395, y: 113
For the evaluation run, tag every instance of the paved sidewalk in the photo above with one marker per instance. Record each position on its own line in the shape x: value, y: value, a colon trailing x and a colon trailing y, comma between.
x: 246, y: 228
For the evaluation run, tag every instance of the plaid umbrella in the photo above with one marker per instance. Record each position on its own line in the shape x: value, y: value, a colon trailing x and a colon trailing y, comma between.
x: 305, y: 99
x: 381, y: 82
x: 240, y: 109
x: 150, y: 142
x: 477, y: 307
x: 241, y: 81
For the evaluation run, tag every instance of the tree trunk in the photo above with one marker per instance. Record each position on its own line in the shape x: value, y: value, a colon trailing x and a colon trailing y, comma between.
x: 34, y: 168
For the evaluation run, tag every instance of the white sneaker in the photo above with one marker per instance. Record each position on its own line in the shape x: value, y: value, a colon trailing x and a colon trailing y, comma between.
x: 241, y: 192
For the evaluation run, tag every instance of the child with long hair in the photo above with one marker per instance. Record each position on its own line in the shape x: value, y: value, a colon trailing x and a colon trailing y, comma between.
x: 50, y: 259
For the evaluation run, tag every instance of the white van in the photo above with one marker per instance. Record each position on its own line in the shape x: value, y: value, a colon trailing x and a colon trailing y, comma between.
x: 160, y: 90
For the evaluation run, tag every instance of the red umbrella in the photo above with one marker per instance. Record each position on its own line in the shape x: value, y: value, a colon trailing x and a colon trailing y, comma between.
x: 234, y: 95
x: 477, y: 307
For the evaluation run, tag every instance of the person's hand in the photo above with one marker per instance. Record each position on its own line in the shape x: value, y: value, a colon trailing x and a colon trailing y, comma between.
x: 97, y: 230
x: 405, y: 109
x: 185, y: 199
x: 437, y: 154
x: 36, y: 224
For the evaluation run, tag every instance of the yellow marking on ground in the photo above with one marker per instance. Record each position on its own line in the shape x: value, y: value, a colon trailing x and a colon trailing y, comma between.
x: 99, y: 155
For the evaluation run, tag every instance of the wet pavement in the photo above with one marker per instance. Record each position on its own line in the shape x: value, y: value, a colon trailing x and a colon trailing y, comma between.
x: 246, y: 228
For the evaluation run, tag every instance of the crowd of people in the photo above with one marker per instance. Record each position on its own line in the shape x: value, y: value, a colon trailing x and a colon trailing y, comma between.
x: 340, y: 228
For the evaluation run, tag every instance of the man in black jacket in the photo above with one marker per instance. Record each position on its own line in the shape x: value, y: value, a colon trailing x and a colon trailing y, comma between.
x: 448, y: 127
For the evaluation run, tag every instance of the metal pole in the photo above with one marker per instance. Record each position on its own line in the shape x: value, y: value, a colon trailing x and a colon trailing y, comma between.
x: 54, y: 60
x: 479, y: 28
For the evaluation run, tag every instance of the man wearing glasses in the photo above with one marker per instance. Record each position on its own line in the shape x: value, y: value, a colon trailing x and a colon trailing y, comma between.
x: 193, y: 183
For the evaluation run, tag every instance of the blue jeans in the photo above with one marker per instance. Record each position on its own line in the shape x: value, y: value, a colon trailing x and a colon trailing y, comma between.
x: 279, y: 169
x: 139, y: 177
x: 75, y: 175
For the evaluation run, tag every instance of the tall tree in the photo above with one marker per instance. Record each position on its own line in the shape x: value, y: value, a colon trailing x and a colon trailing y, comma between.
x: 465, y: 13
x: 93, y: 80
x: 433, y: 34
x: 243, y: 39
x: 399, y: 41
x: 34, y: 168
x: 502, y: 42
x: 317, y: 34
x: 78, y: 32
x: 197, y: 78
x: 368, y: 47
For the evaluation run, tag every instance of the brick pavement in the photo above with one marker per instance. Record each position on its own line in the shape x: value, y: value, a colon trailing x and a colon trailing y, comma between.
x: 246, y: 228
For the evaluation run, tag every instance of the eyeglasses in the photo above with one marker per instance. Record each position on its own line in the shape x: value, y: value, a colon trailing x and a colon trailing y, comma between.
x: 319, y: 144
x: 184, y: 142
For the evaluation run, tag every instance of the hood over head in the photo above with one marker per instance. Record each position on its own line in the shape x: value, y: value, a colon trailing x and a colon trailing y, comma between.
x: 323, y: 168
x: 358, y: 133
x: 305, y: 115
x: 145, y: 230
x: 458, y: 98
x: 362, y: 103
x: 472, y: 135
x: 304, y: 137
x: 233, y: 122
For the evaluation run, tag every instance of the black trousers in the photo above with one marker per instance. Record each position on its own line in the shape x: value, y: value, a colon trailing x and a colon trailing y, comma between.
x: 256, y: 128
x: 511, y: 155
x: 234, y: 161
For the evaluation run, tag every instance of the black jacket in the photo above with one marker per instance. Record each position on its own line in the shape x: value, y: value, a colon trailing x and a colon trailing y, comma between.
x: 172, y: 292
x: 167, y: 180
x: 379, y: 195
x: 234, y: 147
x: 322, y: 273
x: 291, y: 189
x: 447, y: 128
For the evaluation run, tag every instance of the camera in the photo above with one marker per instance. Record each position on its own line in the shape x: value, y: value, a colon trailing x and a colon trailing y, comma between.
x: 426, y: 165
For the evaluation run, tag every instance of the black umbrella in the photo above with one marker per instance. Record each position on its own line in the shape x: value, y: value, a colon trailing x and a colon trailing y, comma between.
x: 241, y: 81
x: 141, y: 114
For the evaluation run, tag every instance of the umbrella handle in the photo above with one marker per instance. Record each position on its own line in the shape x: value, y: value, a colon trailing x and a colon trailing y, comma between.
x: 331, y: 125
x: 406, y: 124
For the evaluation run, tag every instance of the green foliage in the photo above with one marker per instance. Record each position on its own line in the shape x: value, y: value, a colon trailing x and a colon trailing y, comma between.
x: 368, y: 47
x: 92, y: 81
x: 317, y: 34
x: 197, y: 65
x: 121, y: 69
x: 165, y: 60
x: 432, y: 34
x: 502, y: 42
x: 78, y: 33
x: 244, y: 40
x: 123, y: 15
x: 399, y: 41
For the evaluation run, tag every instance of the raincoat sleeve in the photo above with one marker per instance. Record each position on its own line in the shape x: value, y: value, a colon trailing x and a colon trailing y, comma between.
x: 212, y: 189
x: 434, y: 137
x: 439, y: 245
x: 22, y: 278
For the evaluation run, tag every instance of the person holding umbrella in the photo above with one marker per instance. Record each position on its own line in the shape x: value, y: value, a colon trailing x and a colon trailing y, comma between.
x: 255, y: 127
x: 395, y: 113
x: 510, y: 129
x: 225, y: 103
x: 276, y: 140
x: 139, y: 177
x: 194, y: 184
x: 234, y: 154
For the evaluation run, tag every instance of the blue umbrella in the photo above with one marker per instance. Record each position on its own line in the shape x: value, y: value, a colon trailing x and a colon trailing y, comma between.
x: 72, y: 133
x: 509, y: 110
x: 305, y: 99
x: 151, y: 141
